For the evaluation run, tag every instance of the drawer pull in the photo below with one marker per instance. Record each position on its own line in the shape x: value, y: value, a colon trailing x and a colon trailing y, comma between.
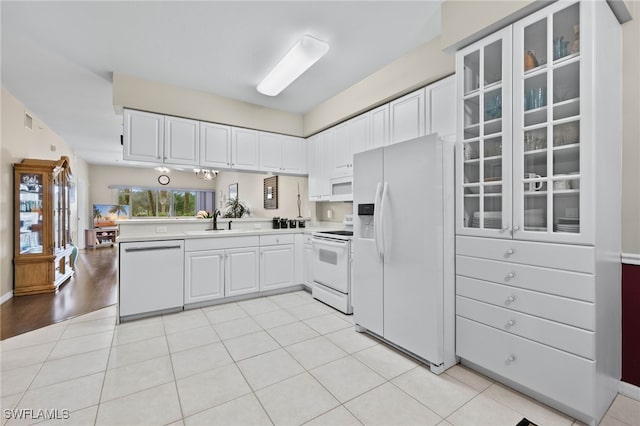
x: 510, y: 323
x: 504, y: 227
x: 509, y: 300
x: 511, y: 359
x: 509, y: 276
x: 509, y: 252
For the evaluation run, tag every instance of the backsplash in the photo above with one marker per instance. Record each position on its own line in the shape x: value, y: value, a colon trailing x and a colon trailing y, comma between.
x: 333, y: 212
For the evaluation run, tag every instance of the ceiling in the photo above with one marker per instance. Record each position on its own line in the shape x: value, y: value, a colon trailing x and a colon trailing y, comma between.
x: 58, y: 57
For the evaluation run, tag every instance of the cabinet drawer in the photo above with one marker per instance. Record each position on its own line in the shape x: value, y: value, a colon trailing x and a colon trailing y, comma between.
x: 553, y: 281
x: 559, y: 256
x: 276, y: 239
x: 571, y: 339
x: 556, y: 374
x: 196, y: 244
x: 568, y: 311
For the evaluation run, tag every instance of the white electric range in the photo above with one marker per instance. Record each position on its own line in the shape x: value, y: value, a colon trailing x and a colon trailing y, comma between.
x: 332, y: 266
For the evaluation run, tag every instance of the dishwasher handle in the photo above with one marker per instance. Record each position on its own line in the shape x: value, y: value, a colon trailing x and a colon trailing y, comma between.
x: 135, y: 249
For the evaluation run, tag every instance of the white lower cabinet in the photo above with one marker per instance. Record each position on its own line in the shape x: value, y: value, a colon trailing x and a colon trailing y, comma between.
x: 277, y: 262
x: 308, y: 265
x: 241, y: 275
x: 203, y: 276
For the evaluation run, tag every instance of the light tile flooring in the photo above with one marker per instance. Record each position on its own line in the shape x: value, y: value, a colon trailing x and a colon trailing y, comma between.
x: 284, y: 359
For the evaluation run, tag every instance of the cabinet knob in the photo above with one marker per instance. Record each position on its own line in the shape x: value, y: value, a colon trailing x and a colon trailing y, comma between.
x: 509, y: 276
x: 516, y: 228
x: 511, y: 359
x: 504, y: 227
x: 510, y: 252
x: 509, y: 300
x: 511, y: 323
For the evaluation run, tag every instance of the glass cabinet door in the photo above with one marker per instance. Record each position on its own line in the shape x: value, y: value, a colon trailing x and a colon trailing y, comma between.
x: 546, y: 162
x: 484, y: 117
x: 31, y: 221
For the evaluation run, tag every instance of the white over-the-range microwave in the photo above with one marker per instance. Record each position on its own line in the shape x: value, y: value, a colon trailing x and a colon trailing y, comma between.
x: 341, y: 189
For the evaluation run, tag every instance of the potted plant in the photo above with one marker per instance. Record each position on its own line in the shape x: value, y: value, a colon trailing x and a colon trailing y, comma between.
x: 234, y: 208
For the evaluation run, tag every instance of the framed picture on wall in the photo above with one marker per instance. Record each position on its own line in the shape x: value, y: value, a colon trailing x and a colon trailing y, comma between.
x: 271, y: 193
x: 233, y: 191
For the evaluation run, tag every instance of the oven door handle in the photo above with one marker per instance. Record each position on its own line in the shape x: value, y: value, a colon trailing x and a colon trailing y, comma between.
x: 317, y: 242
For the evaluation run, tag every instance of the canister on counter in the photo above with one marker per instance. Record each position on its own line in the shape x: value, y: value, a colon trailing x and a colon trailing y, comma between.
x: 293, y: 223
x: 276, y: 223
x: 284, y: 223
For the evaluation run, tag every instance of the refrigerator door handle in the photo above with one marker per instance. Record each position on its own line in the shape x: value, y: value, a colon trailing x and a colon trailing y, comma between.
x: 383, y: 244
x: 376, y: 220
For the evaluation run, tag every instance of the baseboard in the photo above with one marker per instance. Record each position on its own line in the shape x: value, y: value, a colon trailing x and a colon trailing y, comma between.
x: 627, y: 389
x: 630, y: 258
x: 8, y: 295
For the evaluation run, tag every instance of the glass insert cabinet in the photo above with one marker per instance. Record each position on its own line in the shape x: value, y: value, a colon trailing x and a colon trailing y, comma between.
x: 524, y: 157
x: 42, y: 244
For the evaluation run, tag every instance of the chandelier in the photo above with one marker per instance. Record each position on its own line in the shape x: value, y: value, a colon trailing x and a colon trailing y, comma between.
x: 206, y: 174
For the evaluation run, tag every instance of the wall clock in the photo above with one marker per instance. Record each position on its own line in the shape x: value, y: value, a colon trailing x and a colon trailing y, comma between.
x: 163, y: 179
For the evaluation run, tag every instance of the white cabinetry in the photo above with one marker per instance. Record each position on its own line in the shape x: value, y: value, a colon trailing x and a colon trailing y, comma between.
x: 308, y: 261
x: 143, y: 137
x: 244, y: 148
x: 543, y: 281
x: 320, y: 163
x: 342, y: 152
x: 203, y: 276
x: 181, y: 141
x: 441, y: 107
x: 220, y: 267
x: 215, y: 145
x: 241, y: 271
x: 379, y: 125
x: 407, y: 115
x: 282, y: 154
x: 277, y: 259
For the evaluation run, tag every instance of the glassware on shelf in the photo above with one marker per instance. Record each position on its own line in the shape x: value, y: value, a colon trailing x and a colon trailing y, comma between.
x: 560, y: 47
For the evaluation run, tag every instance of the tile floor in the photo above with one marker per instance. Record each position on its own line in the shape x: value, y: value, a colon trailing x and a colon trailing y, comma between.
x: 284, y: 359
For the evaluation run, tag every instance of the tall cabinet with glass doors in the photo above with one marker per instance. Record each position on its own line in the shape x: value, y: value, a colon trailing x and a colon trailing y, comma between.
x: 538, y: 206
x: 42, y: 225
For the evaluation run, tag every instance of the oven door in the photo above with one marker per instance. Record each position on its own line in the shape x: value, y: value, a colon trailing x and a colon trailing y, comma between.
x: 331, y: 263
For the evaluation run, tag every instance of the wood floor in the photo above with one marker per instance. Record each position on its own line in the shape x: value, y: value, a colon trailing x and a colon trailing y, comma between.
x: 92, y: 287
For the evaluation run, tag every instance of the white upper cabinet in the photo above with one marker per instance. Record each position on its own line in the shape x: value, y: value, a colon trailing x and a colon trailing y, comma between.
x: 244, y: 148
x: 270, y: 152
x: 181, y: 141
x: 483, y: 73
x: 294, y: 155
x: 215, y: 145
x: 407, y: 115
x: 526, y: 169
x: 342, y: 151
x: 313, y: 167
x: 282, y: 153
x: 359, y: 131
x: 441, y: 107
x: 327, y: 145
x: 379, y: 125
x: 143, y: 136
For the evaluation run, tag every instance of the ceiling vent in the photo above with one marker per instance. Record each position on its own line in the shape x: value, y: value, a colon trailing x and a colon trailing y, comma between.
x: 28, y: 121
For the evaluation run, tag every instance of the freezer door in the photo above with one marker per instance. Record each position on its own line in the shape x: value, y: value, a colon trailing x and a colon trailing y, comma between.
x: 413, y: 244
x: 367, y: 267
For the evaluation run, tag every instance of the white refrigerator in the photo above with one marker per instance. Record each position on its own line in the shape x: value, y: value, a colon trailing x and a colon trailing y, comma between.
x: 403, y: 247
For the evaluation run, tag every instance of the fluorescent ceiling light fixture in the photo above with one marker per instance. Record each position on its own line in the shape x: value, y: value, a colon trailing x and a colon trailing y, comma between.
x: 306, y: 52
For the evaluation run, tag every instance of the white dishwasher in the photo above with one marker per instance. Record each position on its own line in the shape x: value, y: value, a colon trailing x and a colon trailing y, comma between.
x: 151, y: 277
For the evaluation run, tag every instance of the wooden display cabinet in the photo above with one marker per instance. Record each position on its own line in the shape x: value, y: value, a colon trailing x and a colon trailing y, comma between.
x: 42, y: 243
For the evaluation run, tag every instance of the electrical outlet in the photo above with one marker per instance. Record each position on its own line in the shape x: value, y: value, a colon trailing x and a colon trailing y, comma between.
x: 161, y: 229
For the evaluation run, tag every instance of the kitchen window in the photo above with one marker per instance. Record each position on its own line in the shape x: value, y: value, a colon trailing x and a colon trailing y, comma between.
x: 156, y: 202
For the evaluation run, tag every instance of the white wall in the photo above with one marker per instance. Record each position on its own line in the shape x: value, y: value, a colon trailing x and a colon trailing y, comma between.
x: 17, y: 143
x: 251, y: 187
